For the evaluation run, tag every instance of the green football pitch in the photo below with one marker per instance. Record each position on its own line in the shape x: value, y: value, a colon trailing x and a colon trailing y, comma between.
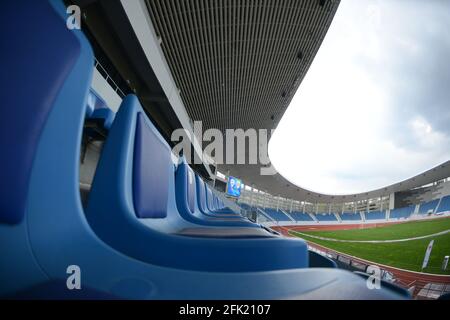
x: 406, y: 254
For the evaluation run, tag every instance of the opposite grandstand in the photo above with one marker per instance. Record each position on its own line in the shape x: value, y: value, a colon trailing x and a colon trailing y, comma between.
x: 392, y: 232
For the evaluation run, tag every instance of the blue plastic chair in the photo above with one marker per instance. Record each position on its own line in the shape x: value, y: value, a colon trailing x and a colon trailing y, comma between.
x: 188, y: 202
x: 133, y: 194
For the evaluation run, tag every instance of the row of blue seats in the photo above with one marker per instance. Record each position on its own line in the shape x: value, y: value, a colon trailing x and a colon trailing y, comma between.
x: 375, y: 215
x: 436, y: 206
x: 325, y: 217
x: 276, y: 215
x: 151, y: 228
x: 300, y: 216
x: 98, y: 110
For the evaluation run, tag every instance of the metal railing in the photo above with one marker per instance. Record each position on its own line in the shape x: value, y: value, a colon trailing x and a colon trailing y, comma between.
x: 108, y: 78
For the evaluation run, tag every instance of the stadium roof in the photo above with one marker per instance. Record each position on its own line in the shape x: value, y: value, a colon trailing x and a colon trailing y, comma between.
x: 237, y: 64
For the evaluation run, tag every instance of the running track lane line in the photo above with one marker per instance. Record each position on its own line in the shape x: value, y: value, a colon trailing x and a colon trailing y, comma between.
x: 372, y: 241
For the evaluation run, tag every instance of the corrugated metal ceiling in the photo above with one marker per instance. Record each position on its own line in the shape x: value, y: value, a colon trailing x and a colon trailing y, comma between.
x: 238, y: 64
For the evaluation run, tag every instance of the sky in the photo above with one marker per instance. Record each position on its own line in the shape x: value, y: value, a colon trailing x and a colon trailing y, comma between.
x: 374, y: 107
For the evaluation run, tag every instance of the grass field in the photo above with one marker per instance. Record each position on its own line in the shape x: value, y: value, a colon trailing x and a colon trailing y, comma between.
x: 406, y: 255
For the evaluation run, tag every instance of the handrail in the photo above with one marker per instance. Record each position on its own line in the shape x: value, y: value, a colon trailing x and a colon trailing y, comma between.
x: 115, y: 87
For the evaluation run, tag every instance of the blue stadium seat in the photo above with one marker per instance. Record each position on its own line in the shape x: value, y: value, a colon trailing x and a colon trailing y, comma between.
x: 106, y: 115
x: 245, y: 206
x: 276, y: 215
x: 188, y: 204
x: 319, y: 261
x: 39, y: 186
x: 375, y: 215
x: 204, y: 208
x: 133, y: 194
x: 401, y: 213
x: 90, y: 103
x: 425, y: 207
x: 210, y: 199
x: 224, y: 210
x: 325, y: 217
x: 301, y: 216
x: 43, y: 228
x: 444, y: 205
x: 97, y: 109
x: 350, y: 216
x: 98, y: 118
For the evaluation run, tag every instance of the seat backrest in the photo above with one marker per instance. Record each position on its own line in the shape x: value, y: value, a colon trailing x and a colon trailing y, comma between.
x: 444, y: 205
x: 105, y: 114
x: 201, y: 194
x: 34, y: 68
x: 152, y: 169
x: 186, y: 193
x: 218, y: 206
x: 136, y: 167
x: 209, y: 198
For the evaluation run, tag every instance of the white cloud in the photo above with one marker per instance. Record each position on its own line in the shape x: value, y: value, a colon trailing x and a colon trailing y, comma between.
x: 357, y: 123
x: 427, y: 138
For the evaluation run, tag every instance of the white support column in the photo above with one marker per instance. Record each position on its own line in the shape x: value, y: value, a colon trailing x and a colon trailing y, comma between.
x: 438, y: 204
x: 292, y: 202
x: 391, y: 201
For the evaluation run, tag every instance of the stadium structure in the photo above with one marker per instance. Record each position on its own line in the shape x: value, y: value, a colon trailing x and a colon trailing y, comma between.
x: 96, y: 204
